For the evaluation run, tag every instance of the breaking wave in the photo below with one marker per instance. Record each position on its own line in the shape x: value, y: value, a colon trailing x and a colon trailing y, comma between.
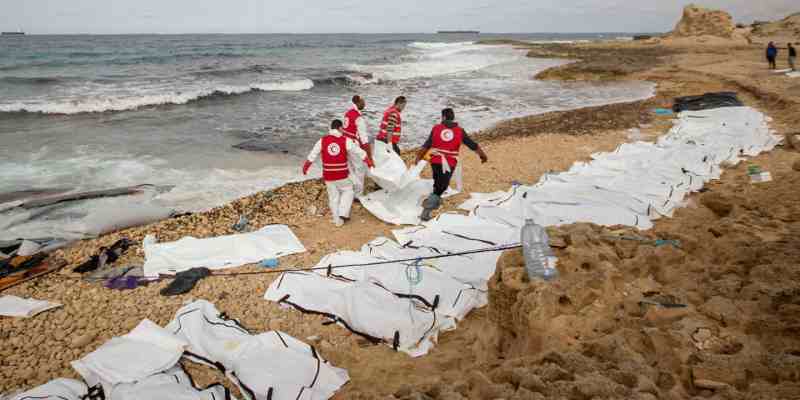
x: 344, y: 78
x: 114, y: 103
x: 438, y: 45
x: 436, y: 59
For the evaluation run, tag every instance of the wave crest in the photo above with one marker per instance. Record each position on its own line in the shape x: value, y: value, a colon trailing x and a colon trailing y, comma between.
x: 438, y: 45
x: 441, y: 59
x: 108, y: 104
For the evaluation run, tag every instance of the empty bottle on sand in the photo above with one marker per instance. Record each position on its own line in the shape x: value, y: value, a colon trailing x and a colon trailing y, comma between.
x: 540, y: 261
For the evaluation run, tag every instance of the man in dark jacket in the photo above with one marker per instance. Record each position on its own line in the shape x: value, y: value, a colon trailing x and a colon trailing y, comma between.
x: 443, y: 146
x: 772, y: 54
x: 792, y: 57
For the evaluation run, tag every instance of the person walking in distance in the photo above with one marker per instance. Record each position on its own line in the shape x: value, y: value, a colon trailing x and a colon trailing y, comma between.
x: 792, y: 57
x: 772, y: 54
x: 443, y: 145
x: 334, y: 149
x: 391, y: 124
x: 355, y: 128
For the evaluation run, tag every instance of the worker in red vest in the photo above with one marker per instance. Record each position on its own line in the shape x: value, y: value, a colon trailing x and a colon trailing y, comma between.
x: 443, y: 146
x: 392, y: 124
x: 355, y: 128
x: 334, y: 149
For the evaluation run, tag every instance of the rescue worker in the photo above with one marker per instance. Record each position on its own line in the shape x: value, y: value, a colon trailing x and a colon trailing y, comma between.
x: 443, y: 147
x: 355, y: 128
x: 334, y: 149
x: 392, y: 123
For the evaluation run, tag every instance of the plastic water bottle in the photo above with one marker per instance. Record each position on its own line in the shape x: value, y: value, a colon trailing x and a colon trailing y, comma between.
x: 540, y: 261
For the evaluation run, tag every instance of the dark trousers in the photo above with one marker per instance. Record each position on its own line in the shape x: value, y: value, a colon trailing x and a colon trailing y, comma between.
x: 772, y: 62
x: 441, y: 179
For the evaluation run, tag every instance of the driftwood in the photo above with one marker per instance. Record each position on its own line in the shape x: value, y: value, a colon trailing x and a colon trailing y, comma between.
x: 42, y: 267
x: 50, y: 200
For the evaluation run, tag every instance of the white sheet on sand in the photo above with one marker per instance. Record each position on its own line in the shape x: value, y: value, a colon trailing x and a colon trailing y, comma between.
x: 173, y: 384
x: 13, y: 306
x: 390, y: 172
x: 57, y: 389
x: 638, y: 182
x: 454, y: 233
x: 220, y: 252
x: 270, y: 364
x: 795, y: 74
x: 397, y: 298
x: 399, y: 201
x: 143, y: 364
x: 147, y: 350
x: 364, y: 308
x: 409, y: 279
x: 632, y: 186
x: 403, y: 204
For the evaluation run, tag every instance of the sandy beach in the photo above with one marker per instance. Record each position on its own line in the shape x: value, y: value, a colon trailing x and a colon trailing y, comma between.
x: 584, y: 337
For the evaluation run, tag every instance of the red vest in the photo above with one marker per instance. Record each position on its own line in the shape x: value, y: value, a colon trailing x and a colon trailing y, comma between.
x: 350, y: 128
x: 334, y: 158
x: 385, y: 125
x: 447, y: 142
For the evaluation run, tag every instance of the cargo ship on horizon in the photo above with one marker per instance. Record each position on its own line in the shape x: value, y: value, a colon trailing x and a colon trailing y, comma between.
x: 17, y: 33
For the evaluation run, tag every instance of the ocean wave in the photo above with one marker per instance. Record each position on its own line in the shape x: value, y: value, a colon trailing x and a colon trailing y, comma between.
x: 107, y: 104
x: 438, y: 45
x: 344, y: 78
x: 446, y: 59
x: 112, y: 59
x: 251, y: 69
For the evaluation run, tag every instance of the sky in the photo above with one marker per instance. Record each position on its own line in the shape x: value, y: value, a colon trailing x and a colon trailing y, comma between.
x: 370, y: 16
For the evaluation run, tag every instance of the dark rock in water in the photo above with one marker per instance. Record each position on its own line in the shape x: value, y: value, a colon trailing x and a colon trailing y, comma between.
x: 284, y: 146
x: 642, y: 37
x: 31, y: 194
x: 342, y: 78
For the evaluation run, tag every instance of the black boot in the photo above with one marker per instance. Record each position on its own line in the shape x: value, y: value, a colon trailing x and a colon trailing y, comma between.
x: 431, y: 203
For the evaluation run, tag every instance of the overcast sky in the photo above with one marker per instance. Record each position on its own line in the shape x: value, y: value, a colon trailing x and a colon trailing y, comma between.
x: 367, y: 16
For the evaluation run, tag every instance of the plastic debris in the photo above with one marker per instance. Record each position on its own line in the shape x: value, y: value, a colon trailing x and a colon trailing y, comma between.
x: 269, y: 263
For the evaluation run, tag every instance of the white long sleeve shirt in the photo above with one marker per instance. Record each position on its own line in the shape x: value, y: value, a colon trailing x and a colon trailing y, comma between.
x: 361, y: 123
x: 353, y: 149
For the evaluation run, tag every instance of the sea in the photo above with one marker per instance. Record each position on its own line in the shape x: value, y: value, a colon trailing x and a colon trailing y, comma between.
x: 211, y: 118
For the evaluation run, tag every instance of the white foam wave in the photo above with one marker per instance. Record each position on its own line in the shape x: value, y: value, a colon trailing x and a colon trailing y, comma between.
x: 288, y: 86
x: 448, y: 58
x: 194, y: 188
x: 437, y: 45
x: 95, y: 104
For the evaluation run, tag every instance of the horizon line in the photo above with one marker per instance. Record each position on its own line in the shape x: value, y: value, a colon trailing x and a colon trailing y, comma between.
x: 332, y: 33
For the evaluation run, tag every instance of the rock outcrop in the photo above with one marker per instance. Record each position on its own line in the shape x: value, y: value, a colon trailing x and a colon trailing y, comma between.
x: 699, y: 21
x: 787, y: 27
